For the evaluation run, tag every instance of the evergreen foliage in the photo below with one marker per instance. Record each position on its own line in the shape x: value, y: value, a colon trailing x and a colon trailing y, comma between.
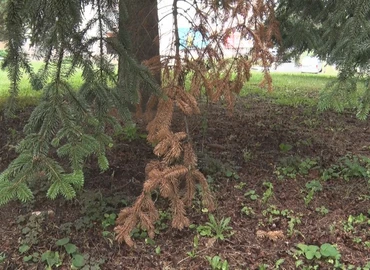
x: 338, y: 32
x: 3, y: 4
x: 67, y: 126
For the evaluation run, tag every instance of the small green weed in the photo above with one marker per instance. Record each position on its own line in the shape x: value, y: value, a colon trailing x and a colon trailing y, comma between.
x: 312, y: 187
x: 273, y: 214
x: 108, y: 221
x: 251, y: 194
x: 292, y: 223
x: 283, y: 172
x: 231, y: 174
x: 247, y: 210
x: 284, y: 148
x: 161, y: 223
x: 269, y: 192
x: 130, y: 132
x: 92, y: 263
x: 357, y: 240
x: 33, y: 257
x: 278, y: 263
x: 240, y: 186
x: 51, y: 259
x: 2, y: 257
x: 292, y: 166
x: 263, y: 266
x: 247, y: 155
x: 78, y: 259
x: 31, y: 231
x: 138, y: 233
x: 193, y: 252
x: 95, y: 207
x: 31, y: 228
x: 149, y: 241
x: 326, y: 252
x: 353, y: 221
x: 311, y: 123
x: 354, y: 166
x: 331, y: 173
x: 211, y: 165
x: 322, y: 210
x: 349, y: 167
x: 306, y: 165
x: 24, y: 248
x: 217, y: 263
x: 213, y: 228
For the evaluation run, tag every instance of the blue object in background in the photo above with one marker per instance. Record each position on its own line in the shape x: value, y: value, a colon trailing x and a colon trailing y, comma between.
x: 190, y: 38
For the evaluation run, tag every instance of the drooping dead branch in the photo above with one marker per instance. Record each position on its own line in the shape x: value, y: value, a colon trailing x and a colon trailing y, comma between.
x: 197, y: 71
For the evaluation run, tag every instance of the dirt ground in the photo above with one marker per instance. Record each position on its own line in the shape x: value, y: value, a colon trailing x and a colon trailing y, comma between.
x: 260, y: 145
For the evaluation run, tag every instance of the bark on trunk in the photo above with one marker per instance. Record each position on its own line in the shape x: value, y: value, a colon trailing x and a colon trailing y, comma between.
x: 142, y: 25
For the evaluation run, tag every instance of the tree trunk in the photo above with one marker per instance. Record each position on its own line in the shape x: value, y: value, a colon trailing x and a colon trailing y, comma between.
x: 142, y: 26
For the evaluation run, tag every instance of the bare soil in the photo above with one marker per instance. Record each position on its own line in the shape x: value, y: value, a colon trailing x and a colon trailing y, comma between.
x: 238, y: 153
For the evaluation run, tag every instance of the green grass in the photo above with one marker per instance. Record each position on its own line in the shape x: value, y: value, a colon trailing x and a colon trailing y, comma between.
x: 25, y: 88
x: 27, y: 95
x: 291, y: 88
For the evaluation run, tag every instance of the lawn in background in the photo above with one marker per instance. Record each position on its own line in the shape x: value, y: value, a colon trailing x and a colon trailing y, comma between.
x: 25, y: 88
x: 27, y: 95
x: 288, y: 88
x: 292, y: 88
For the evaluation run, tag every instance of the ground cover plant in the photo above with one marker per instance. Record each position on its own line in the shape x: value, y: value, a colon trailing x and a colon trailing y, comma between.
x: 291, y: 185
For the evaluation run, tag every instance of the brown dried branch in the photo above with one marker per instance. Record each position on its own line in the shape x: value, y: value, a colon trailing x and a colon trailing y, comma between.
x: 170, y: 147
x: 190, y: 158
x: 161, y: 123
x: 219, y: 79
x: 179, y: 220
x: 142, y: 212
x: 190, y: 189
x: 207, y: 198
x: 176, y: 171
x: 151, y: 184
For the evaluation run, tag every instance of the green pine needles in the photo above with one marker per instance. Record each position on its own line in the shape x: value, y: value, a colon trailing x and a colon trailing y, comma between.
x: 339, y: 33
x: 68, y: 125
